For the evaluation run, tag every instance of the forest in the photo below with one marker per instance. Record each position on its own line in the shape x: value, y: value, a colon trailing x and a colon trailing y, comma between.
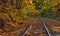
x: 30, y: 8
x: 17, y: 12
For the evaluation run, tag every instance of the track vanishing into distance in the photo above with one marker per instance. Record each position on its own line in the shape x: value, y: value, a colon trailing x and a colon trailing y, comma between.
x: 41, y: 28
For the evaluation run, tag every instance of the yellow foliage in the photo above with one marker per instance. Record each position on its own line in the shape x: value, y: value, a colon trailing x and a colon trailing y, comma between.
x: 32, y: 8
x: 45, y: 1
x: 55, y: 3
x: 38, y: 0
x: 54, y: 10
x: 27, y: 6
x: 44, y: 7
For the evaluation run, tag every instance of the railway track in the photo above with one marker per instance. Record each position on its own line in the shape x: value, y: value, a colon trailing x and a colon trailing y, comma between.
x: 49, y: 29
x: 46, y: 28
x: 41, y: 28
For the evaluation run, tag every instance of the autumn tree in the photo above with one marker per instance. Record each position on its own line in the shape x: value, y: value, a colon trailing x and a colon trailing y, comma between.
x: 47, y: 8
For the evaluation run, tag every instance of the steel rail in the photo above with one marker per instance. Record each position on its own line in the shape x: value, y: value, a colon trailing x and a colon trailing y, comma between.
x: 27, y: 29
x: 24, y: 31
x: 46, y: 28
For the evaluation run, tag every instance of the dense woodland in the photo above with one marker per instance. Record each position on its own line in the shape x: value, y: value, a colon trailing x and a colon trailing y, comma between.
x: 12, y: 12
x: 28, y: 8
